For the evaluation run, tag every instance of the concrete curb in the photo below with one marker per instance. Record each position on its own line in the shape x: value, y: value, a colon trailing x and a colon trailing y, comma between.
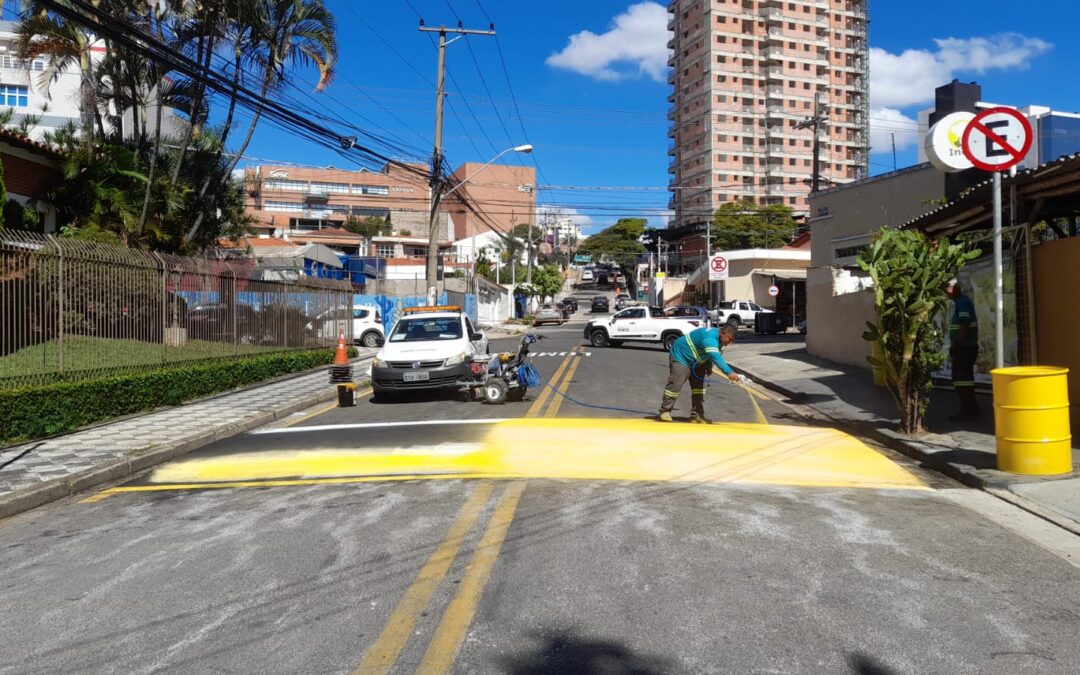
x: 916, y: 450
x: 139, y: 460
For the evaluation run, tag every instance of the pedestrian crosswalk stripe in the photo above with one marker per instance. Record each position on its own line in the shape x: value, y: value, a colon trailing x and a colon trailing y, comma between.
x: 560, y: 354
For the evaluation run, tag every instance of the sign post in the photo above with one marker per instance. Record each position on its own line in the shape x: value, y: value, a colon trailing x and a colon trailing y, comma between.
x: 996, y: 140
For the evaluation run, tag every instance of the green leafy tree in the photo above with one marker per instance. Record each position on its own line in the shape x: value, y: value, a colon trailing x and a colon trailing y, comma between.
x: 619, y: 242
x: 739, y: 225
x: 368, y: 226
x: 909, y: 272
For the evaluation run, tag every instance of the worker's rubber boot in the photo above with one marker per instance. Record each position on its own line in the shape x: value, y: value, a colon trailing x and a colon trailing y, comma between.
x: 699, y: 419
x: 665, y: 416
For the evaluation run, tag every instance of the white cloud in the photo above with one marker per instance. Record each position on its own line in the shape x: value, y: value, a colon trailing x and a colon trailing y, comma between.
x: 909, y: 78
x: 888, y: 125
x: 635, y: 45
x: 580, y: 219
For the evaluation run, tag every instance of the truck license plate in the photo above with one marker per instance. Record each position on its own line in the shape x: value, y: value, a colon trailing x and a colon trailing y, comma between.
x: 417, y: 376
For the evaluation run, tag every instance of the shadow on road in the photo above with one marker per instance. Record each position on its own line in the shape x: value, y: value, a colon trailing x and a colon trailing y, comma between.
x: 862, y: 664
x: 564, y: 652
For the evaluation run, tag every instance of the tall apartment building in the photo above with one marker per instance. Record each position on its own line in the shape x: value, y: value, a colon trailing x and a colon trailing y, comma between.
x: 744, y: 74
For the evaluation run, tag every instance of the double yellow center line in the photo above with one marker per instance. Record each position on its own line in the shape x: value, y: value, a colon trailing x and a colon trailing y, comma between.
x: 556, y: 392
x: 444, y: 645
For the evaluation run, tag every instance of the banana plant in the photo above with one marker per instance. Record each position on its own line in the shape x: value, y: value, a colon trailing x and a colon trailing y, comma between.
x: 909, y: 273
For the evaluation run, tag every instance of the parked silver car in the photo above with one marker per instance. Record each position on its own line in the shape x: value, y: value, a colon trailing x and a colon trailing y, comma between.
x: 549, y: 314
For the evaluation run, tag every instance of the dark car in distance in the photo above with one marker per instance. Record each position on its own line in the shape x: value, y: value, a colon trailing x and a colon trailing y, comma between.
x: 689, y: 312
x: 600, y: 305
x: 570, y: 304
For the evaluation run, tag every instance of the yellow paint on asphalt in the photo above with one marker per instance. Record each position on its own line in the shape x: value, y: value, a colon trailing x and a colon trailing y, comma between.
x: 759, y: 417
x: 443, y: 648
x: 93, y: 499
x: 545, y: 392
x: 591, y: 449
x: 560, y: 396
x: 387, y: 647
x: 293, y: 482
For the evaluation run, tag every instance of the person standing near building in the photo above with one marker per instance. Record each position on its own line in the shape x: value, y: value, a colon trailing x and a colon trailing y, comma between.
x: 964, y: 350
x: 692, y: 358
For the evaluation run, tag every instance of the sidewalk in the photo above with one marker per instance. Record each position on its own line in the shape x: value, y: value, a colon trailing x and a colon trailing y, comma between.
x: 965, y: 451
x: 39, y: 472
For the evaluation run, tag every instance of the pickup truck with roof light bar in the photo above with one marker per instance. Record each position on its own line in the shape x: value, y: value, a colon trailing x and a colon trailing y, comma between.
x: 639, y: 324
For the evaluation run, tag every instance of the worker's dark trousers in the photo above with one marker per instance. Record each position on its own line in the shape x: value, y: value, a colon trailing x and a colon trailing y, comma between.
x: 963, y: 378
x: 678, y: 374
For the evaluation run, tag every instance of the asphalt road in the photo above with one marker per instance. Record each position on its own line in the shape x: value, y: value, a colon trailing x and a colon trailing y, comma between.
x: 434, y: 535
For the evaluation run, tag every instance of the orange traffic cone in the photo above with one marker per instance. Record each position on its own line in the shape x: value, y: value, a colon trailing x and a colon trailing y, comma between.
x: 341, y: 356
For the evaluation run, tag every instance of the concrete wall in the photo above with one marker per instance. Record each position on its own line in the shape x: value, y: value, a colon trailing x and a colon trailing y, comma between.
x: 835, y: 323
x: 1056, y: 270
x: 846, y: 218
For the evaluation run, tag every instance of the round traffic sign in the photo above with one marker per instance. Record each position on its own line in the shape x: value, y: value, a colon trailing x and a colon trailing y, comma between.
x: 718, y: 263
x: 774, y: 290
x: 997, y: 139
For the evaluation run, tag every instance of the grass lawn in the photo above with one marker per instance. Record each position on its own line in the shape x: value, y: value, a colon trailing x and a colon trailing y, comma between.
x: 83, y: 356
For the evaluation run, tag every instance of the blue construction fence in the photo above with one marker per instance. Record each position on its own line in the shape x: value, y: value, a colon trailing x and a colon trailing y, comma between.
x: 393, y: 307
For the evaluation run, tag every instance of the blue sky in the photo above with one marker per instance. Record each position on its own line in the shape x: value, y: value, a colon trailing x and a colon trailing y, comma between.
x: 594, y: 103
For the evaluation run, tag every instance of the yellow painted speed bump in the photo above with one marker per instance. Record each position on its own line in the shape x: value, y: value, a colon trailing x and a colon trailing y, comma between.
x: 590, y: 449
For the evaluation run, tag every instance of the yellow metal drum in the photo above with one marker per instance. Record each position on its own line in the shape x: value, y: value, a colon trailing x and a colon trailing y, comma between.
x: 1031, y: 420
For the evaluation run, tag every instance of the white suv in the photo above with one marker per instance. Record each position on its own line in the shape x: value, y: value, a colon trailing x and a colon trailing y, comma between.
x: 428, y: 348
x: 364, y: 321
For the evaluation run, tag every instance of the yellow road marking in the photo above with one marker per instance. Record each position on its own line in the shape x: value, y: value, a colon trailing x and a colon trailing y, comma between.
x: 541, y: 399
x: 444, y: 646
x: 387, y: 647
x: 295, y: 482
x: 568, y: 448
x: 557, y: 400
x: 105, y: 494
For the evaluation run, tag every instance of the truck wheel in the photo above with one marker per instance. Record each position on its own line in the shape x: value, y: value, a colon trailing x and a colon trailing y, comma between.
x: 495, y: 391
x: 669, y: 341
x: 370, y: 339
x: 599, y: 338
x: 734, y: 320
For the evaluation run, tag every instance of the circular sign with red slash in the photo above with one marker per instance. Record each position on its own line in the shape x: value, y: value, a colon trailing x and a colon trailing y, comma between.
x: 997, y: 139
x: 718, y: 268
x: 719, y: 264
x: 774, y: 290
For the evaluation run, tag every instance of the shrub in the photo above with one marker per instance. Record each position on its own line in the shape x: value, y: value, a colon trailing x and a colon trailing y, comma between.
x: 32, y: 412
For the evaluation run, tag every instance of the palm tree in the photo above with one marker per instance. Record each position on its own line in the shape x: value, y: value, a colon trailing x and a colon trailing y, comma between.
x: 63, y: 44
x: 282, y: 34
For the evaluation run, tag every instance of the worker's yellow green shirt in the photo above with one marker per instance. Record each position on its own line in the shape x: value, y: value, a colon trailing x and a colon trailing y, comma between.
x: 700, y: 346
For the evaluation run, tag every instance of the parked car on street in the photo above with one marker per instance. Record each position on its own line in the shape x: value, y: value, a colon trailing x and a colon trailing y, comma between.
x: 600, y: 305
x: 428, y: 348
x: 570, y: 304
x: 549, y: 314
x: 737, y: 312
x: 587, y: 275
x: 639, y: 324
x: 365, y: 320
x: 689, y: 312
x: 224, y: 322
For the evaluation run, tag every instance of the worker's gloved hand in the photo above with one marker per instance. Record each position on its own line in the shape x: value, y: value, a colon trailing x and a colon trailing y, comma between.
x: 735, y: 377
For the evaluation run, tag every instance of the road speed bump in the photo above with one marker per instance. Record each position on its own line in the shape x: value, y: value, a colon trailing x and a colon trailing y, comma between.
x: 583, y: 449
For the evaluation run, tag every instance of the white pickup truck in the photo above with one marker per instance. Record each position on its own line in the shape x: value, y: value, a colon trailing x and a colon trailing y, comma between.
x: 639, y: 324
x: 737, y: 312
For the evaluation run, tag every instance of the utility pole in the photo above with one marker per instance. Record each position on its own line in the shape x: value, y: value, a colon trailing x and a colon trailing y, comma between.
x: 892, y: 137
x: 436, y: 182
x: 815, y: 122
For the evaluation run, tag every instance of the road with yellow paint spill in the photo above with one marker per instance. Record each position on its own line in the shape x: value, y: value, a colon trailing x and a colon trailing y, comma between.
x: 570, y: 532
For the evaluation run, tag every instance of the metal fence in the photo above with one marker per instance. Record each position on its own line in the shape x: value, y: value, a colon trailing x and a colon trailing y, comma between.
x: 72, y: 309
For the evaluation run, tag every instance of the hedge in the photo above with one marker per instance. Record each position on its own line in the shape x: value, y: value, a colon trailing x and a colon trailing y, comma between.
x: 33, y: 412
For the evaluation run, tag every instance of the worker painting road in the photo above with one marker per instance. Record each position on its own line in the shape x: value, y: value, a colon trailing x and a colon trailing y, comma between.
x: 570, y: 532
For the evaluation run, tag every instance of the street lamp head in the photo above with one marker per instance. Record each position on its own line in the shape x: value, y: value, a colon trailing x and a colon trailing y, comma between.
x: 527, y: 148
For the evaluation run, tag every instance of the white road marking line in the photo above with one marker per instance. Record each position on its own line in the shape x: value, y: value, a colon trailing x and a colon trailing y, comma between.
x: 374, y: 425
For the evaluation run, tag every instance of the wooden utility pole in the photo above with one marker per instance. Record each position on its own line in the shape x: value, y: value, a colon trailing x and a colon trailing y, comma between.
x: 436, y: 183
x: 815, y: 122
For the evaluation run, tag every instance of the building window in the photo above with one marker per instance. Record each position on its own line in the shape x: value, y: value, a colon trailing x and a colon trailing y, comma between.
x: 370, y: 190
x: 286, y: 185
x: 338, y: 188
x: 284, y: 207
x: 416, y: 251
x: 14, y: 63
x: 14, y: 95
x: 384, y: 250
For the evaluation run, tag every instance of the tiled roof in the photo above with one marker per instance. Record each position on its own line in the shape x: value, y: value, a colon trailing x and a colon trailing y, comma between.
x: 18, y: 140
